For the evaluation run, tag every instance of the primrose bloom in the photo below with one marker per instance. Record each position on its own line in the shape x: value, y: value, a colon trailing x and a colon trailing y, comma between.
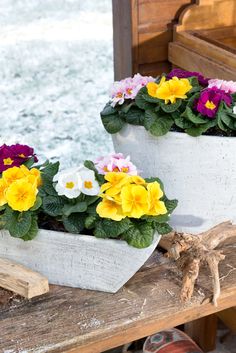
x: 21, y: 195
x: 3, y: 189
x: 227, y: 86
x: 68, y: 184
x: 185, y: 74
x: 115, y: 162
x: 134, y: 200
x: 170, y: 90
x: 89, y: 185
x: 209, y: 100
x: 156, y: 207
x: 110, y: 209
x: 128, y: 88
x: 15, y: 155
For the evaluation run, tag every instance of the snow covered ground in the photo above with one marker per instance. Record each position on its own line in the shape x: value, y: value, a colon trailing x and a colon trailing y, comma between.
x: 56, y: 67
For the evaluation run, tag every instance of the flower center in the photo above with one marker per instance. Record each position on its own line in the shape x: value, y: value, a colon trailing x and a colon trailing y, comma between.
x: 70, y: 185
x: 105, y: 169
x: 129, y: 91
x: 8, y: 161
x: 88, y: 184
x: 22, y: 155
x: 116, y: 170
x: 119, y: 95
x: 210, y: 105
x: 125, y: 170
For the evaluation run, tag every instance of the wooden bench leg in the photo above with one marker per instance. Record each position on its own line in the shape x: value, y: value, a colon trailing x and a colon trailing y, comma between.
x: 203, y: 331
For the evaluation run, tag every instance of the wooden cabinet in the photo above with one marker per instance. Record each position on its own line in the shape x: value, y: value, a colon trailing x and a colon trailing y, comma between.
x: 205, y: 39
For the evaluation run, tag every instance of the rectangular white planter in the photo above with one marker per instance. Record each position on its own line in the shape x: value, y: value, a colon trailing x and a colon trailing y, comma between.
x: 81, y: 261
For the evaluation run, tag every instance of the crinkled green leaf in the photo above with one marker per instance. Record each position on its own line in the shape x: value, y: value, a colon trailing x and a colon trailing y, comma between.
x: 112, y: 123
x: 50, y: 170
x: 90, y: 221
x: 163, y: 228
x: 108, y: 110
x: 170, y: 204
x: 135, y: 116
x: 33, y: 231
x: 78, y: 207
x: 112, y: 229
x: 141, y: 102
x: 170, y: 108
x: 196, y: 119
x: 197, y: 130
x: 53, y: 205
x: 139, y: 235
x: 19, y: 223
x: 75, y: 223
x: 37, y: 204
x: 161, y: 125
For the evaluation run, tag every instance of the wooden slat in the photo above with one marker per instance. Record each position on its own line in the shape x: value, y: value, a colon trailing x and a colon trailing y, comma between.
x: 73, y: 320
x: 203, y: 331
x: 190, y: 60
x: 22, y: 280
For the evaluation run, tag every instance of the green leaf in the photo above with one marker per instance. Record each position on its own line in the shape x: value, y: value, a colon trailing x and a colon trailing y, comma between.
x: 78, y: 207
x: 90, y: 165
x: 183, y: 123
x: 90, y: 221
x: 141, y: 102
x: 227, y: 120
x: 126, y: 107
x: 53, y: 205
x: 150, y: 118
x: 198, y: 130
x: 188, y: 113
x: 163, y: 228
x: 33, y: 231
x: 139, y: 235
x: 135, y: 116
x: 151, y: 99
x: 50, y: 170
x: 37, y: 204
x: 107, y: 228
x: 19, y: 224
x: 112, y: 123
x: 161, y: 125
x: 29, y: 163
x: 74, y: 223
x: 170, y: 204
x: 158, y: 219
x: 108, y: 110
x: 170, y: 108
x: 47, y: 186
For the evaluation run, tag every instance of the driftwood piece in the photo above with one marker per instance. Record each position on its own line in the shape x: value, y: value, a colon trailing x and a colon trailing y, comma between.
x: 191, y: 251
x: 22, y: 280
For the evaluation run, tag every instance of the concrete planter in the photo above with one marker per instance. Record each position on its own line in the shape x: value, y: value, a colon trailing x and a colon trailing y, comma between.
x: 81, y: 261
x: 200, y: 172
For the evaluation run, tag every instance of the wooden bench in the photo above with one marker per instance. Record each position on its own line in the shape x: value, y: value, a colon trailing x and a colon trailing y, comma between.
x: 79, y: 321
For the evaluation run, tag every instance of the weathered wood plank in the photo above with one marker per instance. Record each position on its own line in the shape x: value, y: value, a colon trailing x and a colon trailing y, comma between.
x: 82, y: 321
x: 22, y: 280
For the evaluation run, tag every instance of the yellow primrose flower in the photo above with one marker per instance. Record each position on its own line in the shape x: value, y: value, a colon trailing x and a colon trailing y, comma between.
x: 12, y: 174
x: 156, y: 207
x: 33, y: 175
x: 3, y: 188
x: 173, y: 89
x: 115, y: 183
x: 136, y: 179
x: 134, y: 200
x: 110, y: 209
x: 21, y: 195
x: 153, y: 86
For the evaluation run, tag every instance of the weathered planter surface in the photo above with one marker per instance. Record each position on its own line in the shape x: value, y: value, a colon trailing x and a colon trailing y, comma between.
x: 81, y: 261
x: 199, y: 171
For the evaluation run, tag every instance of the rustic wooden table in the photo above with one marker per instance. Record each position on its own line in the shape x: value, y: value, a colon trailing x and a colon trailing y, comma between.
x: 79, y: 321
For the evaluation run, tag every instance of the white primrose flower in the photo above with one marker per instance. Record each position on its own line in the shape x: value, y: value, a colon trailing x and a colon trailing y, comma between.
x: 234, y: 109
x: 69, y: 184
x: 90, y: 185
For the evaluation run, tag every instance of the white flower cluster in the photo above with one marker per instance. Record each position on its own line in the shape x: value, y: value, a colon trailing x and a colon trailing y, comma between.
x: 72, y: 182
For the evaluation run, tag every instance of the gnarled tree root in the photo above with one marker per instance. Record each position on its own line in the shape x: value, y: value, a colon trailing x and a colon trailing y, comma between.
x: 191, y: 251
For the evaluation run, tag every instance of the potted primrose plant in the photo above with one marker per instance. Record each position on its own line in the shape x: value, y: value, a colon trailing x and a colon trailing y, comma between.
x: 90, y: 227
x: 181, y: 126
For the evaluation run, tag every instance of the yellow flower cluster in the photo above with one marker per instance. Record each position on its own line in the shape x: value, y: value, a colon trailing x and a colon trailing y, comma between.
x: 19, y: 187
x: 129, y: 196
x: 169, y: 90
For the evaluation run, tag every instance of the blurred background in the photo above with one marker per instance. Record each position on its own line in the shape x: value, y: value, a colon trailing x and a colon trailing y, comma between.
x: 56, y: 59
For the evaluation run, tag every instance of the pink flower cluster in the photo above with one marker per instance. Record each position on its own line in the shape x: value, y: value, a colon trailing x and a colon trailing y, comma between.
x: 128, y: 88
x: 115, y: 162
x: 227, y: 86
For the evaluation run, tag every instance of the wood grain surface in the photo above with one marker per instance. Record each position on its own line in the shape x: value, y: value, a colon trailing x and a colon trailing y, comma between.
x: 22, y: 280
x: 80, y: 321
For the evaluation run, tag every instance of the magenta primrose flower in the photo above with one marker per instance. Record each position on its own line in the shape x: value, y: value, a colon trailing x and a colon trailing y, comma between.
x: 15, y: 155
x: 128, y: 88
x: 185, y: 74
x: 115, y: 162
x: 209, y: 101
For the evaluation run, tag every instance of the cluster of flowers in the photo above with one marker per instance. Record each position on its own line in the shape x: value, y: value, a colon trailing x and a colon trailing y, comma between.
x: 115, y: 162
x: 19, y: 187
x: 130, y: 196
x: 128, y: 88
x: 15, y: 155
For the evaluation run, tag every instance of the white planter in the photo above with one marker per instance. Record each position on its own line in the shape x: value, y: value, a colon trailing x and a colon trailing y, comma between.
x: 81, y: 261
x: 199, y: 171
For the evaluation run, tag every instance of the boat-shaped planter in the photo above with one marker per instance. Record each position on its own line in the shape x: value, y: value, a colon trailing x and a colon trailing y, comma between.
x: 81, y: 261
